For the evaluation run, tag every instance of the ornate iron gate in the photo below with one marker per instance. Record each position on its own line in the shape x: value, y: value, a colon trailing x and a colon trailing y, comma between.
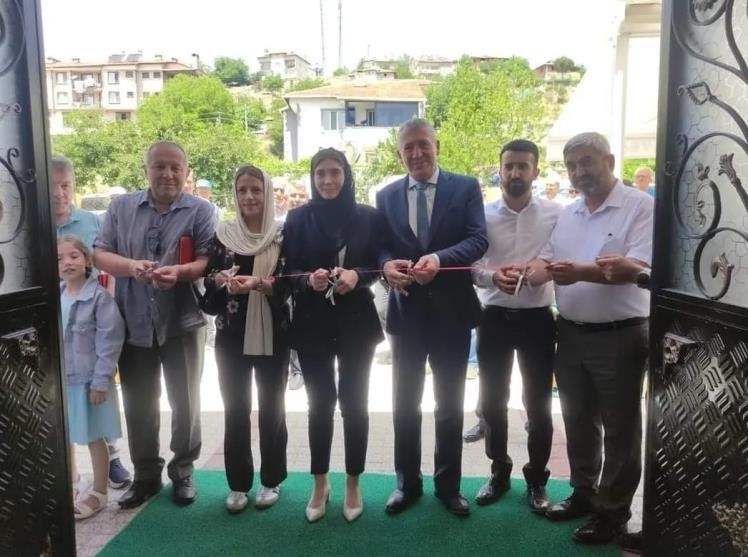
x: 35, y: 498
x: 696, y: 490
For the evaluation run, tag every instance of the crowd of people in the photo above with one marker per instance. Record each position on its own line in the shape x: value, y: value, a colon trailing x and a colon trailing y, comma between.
x: 303, y: 283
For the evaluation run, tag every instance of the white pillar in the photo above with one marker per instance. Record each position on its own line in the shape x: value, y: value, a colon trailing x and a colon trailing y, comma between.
x: 618, y: 101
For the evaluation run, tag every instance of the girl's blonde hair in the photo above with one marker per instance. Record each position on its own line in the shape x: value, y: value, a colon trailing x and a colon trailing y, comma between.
x: 81, y: 247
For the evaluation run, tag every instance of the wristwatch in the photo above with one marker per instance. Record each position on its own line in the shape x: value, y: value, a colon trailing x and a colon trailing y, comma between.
x: 643, y: 279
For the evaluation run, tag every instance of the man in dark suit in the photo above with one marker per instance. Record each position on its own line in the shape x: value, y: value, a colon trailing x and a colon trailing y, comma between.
x: 435, y: 220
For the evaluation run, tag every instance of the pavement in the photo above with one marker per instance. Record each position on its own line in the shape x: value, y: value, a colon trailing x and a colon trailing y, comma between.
x: 93, y: 534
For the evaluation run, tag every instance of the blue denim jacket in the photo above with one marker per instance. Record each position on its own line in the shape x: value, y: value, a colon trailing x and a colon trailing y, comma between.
x: 93, y: 339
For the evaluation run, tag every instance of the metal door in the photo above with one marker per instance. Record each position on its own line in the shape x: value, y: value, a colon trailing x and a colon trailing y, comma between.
x: 35, y: 497
x: 696, y: 483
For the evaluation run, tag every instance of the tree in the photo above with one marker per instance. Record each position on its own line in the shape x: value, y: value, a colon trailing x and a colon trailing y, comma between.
x: 340, y: 72
x: 403, y: 67
x: 272, y: 83
x: 564, y: 64
x: 196, y: 112
x: 484, y: 111
x: 252, y: 112
x: 308, y: 83
x: 232, y: 71
x: 275, y: 127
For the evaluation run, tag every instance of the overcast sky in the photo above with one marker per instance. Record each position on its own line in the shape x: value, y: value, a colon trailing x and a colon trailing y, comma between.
x: 536, y: 29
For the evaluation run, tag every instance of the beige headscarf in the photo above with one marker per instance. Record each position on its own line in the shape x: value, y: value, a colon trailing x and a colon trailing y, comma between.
x: 265, y: 246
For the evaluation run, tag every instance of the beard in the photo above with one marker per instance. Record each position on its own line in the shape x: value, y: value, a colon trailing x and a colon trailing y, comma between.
x: 517, y: 188
x: 587, y: 185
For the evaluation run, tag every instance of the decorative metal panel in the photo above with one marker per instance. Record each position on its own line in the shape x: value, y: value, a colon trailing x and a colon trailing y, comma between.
x: 34, y: 490
x: 17, y: 265
x: 707, y: 153
x: 696, y: 502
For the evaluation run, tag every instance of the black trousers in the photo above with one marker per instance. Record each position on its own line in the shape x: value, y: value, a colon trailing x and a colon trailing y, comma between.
x: 181, y: 358
x: 447, y: 350
x: 532, y: 334
x: 235, y: 371
x: 599, y: 377
x: 354, y: 358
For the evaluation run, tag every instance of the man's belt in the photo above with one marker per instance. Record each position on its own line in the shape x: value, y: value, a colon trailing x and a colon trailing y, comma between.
x: 607, y: 326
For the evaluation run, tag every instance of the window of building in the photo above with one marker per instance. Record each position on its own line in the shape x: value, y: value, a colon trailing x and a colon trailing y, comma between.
x: 62, y: 97
x: 87, y: 76
x: 146, y: 75
x: 113, y: 97
x: 146, y: 94
x: 156, y: 75
x: 112, y: 78
x: 333, y: 119
x: 392, y: 114
x: 129, y: 75
x: 75, y: 77
x: 130, y: 95
x: 61, y: 77
x: 88, y: 100
x: 370, y: 117
x: 123, y: 115
x: 290, y: 64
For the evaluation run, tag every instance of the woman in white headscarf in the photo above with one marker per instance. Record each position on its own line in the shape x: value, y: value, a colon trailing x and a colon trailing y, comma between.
x: 251, y: 335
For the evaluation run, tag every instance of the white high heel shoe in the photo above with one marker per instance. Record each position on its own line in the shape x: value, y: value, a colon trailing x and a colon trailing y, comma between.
x: 352, y: 513
x: 313, y: 514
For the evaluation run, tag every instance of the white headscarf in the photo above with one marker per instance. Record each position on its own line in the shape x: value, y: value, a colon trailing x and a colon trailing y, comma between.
x: 265, y: 246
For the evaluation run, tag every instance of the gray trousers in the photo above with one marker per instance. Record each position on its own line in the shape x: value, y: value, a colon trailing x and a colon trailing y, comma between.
x: 140, y: 372
x: 599, y: 376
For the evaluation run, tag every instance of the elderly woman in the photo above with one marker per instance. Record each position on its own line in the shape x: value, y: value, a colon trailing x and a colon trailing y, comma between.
x: 251, y: 335
x: 331, y: 247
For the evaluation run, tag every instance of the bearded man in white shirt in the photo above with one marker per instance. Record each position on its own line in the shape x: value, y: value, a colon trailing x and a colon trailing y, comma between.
x: 516, y: 317
x: 599, y: 252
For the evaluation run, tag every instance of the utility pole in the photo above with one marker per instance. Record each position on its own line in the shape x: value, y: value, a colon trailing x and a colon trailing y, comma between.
x: 340, y: 33
x: 322, y: 31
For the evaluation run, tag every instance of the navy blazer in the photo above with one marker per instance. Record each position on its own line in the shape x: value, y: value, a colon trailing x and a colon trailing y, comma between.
x: 315, y: 322
x: 457, y: 235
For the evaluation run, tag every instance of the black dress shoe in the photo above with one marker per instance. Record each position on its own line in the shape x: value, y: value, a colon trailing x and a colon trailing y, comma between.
x: 456, y: 504
x: 598, y: 530
x: 474, y: 434
x: 572, y: 507
x: 537, y: 498
x: 140, y: 491
x: 492, y: 490
x: 399, y: 500
x: 630, y: 541
x: 184, y: 491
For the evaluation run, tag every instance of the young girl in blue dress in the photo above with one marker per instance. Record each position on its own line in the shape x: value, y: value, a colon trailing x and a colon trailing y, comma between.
x: 93, y: 334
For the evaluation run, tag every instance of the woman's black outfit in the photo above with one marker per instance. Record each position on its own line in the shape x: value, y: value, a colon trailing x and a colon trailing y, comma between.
x: 327, y: 234
x: 235, y: 376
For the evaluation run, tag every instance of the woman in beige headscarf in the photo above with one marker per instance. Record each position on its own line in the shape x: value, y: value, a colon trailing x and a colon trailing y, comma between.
x: 251, y: 324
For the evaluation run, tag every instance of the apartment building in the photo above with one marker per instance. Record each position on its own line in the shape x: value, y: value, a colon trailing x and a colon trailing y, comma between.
x: 116, y: 86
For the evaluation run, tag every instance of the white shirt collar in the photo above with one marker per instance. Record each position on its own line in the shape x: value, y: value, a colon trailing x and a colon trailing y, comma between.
x: 502, y: 206
x: 412, y: 182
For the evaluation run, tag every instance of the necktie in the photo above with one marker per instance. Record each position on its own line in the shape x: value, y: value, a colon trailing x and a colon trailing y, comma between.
x: 422, y: 215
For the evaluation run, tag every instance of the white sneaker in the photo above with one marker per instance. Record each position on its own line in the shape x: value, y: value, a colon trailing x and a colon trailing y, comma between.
x: 267, y: 496
x: 236, y: 501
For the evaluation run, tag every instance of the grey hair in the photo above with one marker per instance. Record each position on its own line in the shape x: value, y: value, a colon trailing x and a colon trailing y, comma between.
x: 62, y: 164
x: 415, y: 124
x: 164, y: 143
x: 645, y: 168
x: 588, y: 139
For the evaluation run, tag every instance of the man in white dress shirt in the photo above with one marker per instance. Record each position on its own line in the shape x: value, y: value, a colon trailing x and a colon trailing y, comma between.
x: 598, y: 252
x: 516, y: 318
